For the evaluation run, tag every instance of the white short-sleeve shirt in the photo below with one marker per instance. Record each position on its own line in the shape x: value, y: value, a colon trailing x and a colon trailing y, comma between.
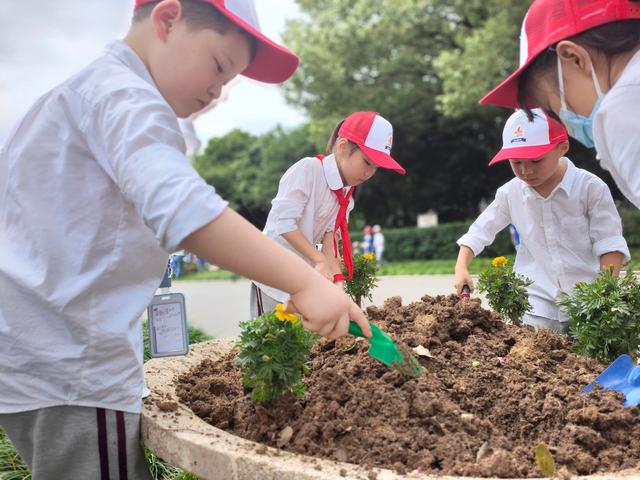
x: 562, y: 236
x: 95, y: 190
x: 306, y: 202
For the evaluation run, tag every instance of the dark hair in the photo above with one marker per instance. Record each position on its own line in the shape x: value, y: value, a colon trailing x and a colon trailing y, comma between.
x: 611, y: 39
x: 334, y: 138
x: 199, y: 15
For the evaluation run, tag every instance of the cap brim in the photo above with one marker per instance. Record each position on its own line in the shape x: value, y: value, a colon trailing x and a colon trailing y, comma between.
x: 383, y: 160
x: 505, y: 94
x: 522, y: 153
x: 272, y: 63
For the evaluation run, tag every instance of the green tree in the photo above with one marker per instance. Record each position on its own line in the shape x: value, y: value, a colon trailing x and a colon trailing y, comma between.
x: 423, y: 64
x: 245, y: 169
x: 380, y: 56
x: 485, y: 52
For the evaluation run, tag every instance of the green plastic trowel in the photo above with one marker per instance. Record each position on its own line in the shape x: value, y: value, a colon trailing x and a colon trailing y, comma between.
x: 383, y: 348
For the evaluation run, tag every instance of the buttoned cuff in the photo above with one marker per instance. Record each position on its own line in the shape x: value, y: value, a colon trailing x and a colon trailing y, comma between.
x: 612, y: 244
x: 473, y: 243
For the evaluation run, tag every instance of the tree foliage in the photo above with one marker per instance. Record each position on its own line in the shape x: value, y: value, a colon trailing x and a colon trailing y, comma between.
x: 423, y: 64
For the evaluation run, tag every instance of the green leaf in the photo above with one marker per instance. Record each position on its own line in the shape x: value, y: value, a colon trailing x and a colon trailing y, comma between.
x: 545, y: 461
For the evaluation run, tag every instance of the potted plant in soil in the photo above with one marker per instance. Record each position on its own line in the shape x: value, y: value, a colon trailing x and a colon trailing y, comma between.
x: 365, y: 278
x: 506, y: 290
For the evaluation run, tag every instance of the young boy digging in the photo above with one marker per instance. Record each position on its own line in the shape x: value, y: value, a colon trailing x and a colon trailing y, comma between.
x: 568, y: 224
x: 95, y: 191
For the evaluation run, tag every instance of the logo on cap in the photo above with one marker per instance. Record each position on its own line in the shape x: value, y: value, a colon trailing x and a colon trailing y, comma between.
x: 389, y: 142
x: 518, y: 135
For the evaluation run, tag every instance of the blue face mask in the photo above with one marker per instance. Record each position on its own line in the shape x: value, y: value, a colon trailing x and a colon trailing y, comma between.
x: 579, y: 126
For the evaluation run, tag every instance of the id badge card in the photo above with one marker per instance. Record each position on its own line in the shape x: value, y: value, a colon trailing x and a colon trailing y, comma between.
x: 168, y: 332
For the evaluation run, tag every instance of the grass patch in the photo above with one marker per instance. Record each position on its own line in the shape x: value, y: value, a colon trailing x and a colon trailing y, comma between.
x: 13, y: 468
x: 408, y: 267
x: 11, y: 465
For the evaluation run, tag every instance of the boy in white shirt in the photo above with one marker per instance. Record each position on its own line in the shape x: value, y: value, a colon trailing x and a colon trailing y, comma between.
x: 568, y: 224
x: 95, y: 191
x: 315, y: 197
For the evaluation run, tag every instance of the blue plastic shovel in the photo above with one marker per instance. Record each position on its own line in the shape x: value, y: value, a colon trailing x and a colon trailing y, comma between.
x: 622, y: 376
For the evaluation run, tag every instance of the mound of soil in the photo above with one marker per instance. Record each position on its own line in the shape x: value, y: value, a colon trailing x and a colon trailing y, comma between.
x: 490, y: 392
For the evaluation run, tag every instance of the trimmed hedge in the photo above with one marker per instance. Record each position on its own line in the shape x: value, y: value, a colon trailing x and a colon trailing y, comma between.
x: 631, y: 226
x: 437, y: 242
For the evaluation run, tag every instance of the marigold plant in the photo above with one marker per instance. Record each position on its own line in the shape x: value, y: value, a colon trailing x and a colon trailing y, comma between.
x: 273, y: 351
x: 365, y: 278
x: 605, y: 316
x: 506, y: 290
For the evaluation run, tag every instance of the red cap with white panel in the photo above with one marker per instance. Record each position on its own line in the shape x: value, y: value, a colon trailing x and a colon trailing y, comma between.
x: 374, y: 135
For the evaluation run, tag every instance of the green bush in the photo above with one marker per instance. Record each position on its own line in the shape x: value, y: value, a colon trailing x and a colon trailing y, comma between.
x: 605, y: 316
x: 437, y: 242
x: 365, y: 277
x: 631, y: 226
x: 506, y: 290
x: 273, y: 352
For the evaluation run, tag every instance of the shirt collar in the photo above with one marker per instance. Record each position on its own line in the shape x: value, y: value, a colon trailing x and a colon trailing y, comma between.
x: 130, y: 58
x: 565, y: 184
x: 331, y: 172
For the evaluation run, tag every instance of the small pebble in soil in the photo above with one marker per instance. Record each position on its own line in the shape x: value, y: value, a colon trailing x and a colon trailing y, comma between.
x: 261, y: 450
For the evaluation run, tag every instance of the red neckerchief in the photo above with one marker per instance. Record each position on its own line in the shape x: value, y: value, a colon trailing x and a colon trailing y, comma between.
x: 341, y: 225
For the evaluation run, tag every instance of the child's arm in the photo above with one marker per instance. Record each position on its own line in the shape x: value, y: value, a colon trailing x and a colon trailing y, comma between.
x: 332, y: 258
x: 298, y: 241
x: 481, y: 233
x: 462, y: 277
x: 605, y: 228
x: 612, y: 259
x: 236, y: 245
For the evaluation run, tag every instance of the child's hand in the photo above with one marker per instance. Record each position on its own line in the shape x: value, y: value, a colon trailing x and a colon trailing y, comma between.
x: 461, y: 279
x: 327, y: 310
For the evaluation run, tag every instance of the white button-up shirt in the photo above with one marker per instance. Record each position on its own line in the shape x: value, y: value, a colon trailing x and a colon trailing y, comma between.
x: 95, y: 190
x: 562, y: 236
x: 305, y: 202
x: 616, y: 131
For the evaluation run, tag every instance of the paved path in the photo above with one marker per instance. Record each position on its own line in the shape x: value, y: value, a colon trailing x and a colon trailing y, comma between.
x: 218, y: 306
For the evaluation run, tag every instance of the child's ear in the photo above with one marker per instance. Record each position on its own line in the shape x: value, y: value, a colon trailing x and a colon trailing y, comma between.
x: 341, y: 145
x: 570, y: 53
x: 564, y: 147
x: 164, y: 16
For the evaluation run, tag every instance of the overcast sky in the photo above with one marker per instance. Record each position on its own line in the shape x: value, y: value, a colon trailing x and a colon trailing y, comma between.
x: 44, y: 42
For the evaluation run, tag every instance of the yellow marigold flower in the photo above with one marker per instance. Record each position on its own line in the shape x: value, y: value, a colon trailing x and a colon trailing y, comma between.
x: 285, y: 316
x: 368, y: 256
x: 499, y: 261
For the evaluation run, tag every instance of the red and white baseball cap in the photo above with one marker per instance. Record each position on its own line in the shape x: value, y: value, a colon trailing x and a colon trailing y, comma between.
x: 374, y: 135
x: 549, y: 21
x: 272, y: 63
x: 529, y: 140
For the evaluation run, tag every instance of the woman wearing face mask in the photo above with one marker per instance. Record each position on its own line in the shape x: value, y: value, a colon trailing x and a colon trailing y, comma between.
x: 580, y: 62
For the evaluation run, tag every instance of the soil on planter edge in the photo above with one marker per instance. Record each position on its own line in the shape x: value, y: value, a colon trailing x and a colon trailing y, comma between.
x: 489, y: 394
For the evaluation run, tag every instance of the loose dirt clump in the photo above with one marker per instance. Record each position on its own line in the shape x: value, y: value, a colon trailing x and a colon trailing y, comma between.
x: 490, y: 392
